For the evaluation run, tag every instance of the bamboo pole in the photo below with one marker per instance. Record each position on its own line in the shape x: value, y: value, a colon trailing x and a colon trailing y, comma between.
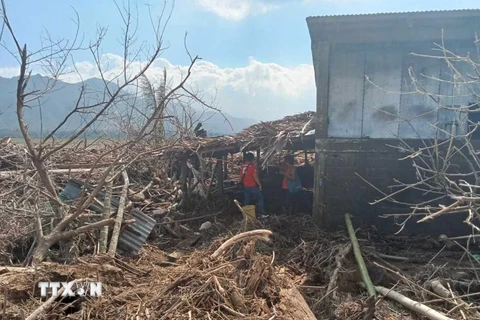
x: 358, y: 256
x: 412, y: 305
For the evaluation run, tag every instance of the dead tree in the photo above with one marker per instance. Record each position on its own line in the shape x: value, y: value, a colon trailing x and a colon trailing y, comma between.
x: 55, y: 57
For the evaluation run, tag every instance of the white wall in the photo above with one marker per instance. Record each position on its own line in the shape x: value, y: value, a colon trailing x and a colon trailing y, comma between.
x: 371, y: 92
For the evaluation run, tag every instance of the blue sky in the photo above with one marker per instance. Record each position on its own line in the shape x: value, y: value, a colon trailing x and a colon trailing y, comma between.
x: 248, y: 46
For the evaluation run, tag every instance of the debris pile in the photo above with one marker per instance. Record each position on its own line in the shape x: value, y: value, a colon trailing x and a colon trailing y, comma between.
x: 204, y: 261
x: 271, y: 136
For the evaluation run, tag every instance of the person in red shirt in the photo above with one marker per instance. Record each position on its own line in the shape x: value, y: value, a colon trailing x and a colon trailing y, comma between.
x: 252, y: 188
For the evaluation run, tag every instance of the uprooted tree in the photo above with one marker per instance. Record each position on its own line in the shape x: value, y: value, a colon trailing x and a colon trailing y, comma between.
x: 447, y: 166
x: 120, y: 96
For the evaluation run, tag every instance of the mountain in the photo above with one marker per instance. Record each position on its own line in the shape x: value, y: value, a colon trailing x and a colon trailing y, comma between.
x: 46, y: 113
x: 217, y: 124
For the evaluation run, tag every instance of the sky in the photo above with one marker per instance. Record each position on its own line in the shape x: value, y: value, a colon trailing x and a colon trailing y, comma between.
x: 256, y: 59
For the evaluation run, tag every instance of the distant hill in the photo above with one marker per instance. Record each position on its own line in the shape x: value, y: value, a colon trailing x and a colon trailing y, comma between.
x: 45, y: 115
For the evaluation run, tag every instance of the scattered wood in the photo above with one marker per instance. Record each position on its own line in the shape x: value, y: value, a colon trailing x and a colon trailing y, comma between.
x: 389, y: 257
x: 294, y: 305
x: 379, y: 258
x: 16, y: 269
x: 147, y: 187
x: 107, y: 212
x: 249, y: 235
x: 225, y: 280
x: 119, y: 218
x: 210, y: 186
x: 5, y: 140
x: 127, y: 267
x: 69, y: 166
x: 439, y: 289
x: 174, y: 256
x: 190, y: 219
x: 412, y: 305
x: 189, y: 242
x: 40, y: 311
x: 338, y: 261
x: 171, y: 231
x: 238, y: 301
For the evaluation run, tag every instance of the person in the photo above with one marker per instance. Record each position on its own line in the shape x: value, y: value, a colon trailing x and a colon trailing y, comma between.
x: 291, y: 184
x: 252, y: 188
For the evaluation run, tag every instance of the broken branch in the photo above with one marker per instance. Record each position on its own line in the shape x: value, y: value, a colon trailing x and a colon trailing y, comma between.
x: 412, y: 305
x: 249, y: 235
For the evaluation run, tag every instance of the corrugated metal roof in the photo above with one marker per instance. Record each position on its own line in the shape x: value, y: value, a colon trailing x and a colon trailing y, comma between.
x: 133, y: 236
x: 73, y: 189
x: 381, y: 14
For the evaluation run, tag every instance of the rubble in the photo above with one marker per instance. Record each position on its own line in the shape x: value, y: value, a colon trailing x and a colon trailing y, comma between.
x: 207, y: 263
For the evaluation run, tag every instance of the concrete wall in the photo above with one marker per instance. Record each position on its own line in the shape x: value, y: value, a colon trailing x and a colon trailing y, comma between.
x: 378, y: 164
x: 362, y: 66
x: 370, y: 90
x: 368, y: 95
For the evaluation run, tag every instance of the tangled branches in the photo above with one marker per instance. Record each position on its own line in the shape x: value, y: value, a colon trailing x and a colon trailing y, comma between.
x: 444, y: 153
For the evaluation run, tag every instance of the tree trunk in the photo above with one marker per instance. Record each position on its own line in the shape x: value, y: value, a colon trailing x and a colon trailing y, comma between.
x: 294, y: 306
x: 45, y: 242
x: 118, y: 220
x: 40, y: 251
x: 107, y: 211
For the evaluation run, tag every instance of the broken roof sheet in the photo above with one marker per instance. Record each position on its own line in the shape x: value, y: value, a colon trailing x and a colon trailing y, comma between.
x: 273, y: 136
x: 270, y: 136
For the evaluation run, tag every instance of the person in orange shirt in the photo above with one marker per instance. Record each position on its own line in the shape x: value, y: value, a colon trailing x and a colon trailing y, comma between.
x: 252, y: 188
x: 290, y: 173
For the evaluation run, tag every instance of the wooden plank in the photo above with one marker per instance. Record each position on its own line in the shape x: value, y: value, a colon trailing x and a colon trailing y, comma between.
x: 219, y: 173
x: 225, y: 167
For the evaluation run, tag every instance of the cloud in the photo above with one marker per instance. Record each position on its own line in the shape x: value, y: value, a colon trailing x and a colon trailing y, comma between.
x: 9, y: 72
x: 236, y: 10
x: 262, y: 91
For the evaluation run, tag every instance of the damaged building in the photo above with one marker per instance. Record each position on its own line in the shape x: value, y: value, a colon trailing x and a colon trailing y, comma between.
x: 215, y: 161
x: 363, y: 73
